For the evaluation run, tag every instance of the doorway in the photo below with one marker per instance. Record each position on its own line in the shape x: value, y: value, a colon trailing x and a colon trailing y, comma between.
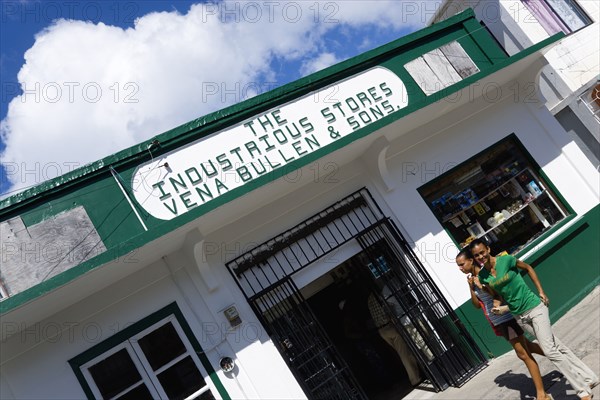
x: 342, y: 309
x: 435, y: 336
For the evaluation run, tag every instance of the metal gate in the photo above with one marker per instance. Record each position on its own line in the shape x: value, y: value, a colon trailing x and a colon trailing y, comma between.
x: 444, y: 348
x: 441, y: 343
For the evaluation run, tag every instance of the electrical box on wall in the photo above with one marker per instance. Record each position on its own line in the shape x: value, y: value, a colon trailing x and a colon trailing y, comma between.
x: 233, y: 316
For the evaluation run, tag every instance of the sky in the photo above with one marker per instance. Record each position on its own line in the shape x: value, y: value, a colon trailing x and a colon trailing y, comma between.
x: 81, y: 80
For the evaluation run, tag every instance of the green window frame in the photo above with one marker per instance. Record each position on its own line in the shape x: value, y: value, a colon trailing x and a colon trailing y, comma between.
x: 501, y: 195
x: 130, y: 341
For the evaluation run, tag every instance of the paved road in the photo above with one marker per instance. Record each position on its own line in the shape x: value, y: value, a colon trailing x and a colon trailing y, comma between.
x: 506, y: 377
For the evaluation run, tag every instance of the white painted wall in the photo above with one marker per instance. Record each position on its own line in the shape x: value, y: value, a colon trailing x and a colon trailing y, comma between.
x: 40, y: 353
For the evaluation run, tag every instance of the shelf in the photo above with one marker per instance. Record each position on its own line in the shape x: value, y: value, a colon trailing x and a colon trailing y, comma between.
x: 524, y: 206
x: 446, y: 219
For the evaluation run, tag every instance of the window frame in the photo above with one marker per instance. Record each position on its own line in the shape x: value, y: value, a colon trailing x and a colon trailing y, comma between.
x: 534, y: 8
x: 536, y: 171
x: 136, y: 361
x: 127, y: 338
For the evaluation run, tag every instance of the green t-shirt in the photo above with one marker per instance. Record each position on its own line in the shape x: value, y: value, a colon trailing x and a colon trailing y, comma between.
x: 510, y: 285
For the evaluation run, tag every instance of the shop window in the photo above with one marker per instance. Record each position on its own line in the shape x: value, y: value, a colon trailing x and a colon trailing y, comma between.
x: 558, y: 15
x: 441, y: 67
x: 158, y: 362
x: 496, y: 195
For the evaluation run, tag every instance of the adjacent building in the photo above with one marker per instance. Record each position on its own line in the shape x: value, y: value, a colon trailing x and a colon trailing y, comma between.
x: 570, y: 83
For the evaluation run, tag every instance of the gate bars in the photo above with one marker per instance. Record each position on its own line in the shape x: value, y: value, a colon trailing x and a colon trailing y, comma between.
x: 264, y: 275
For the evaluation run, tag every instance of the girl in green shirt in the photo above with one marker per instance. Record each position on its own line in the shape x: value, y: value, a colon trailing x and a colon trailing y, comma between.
x: 503, y: 325
x: 502, y: 274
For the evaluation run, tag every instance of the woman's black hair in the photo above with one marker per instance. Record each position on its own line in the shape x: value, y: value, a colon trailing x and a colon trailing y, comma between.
x: 476, y: 242
x: 466, y: 252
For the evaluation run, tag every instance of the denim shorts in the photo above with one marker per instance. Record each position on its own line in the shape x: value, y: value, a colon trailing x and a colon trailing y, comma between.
x: 509, y: 330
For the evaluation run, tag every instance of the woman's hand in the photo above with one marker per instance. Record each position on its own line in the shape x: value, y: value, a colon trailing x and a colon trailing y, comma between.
x: 544, y: 298
x: 500, y: 310
x: 470, y: 279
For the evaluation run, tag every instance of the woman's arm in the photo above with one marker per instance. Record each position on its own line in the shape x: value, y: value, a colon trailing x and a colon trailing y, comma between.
x: 534, y: 278
x: 498, y: 307
x: 474, y: 298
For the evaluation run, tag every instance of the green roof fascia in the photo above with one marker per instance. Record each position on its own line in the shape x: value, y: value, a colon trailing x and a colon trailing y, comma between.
x: 228, y: 116
x: 143, y: 238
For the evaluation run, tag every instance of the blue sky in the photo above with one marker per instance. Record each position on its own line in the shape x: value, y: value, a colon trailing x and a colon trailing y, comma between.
x: 84, y: 79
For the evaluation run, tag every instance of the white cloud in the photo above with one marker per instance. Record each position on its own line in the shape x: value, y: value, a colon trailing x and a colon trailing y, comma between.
x: 318, y: 63
x: 92, y: 89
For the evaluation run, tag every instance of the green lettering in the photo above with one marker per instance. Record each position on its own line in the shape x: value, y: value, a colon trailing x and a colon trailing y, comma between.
x: 220, y: 185
x: 163, y: 194
x: 195, y: 180
x: 251, y: 146
x: 363, y: 98
x: 386, y: 90
x: 353, y: 123
x: 244, y: 174
x: 188, y: 202
x: 178, y: 183
x: 312, y: 142
x: 329, y: 117
x: 204, y: 192
x: 298, y: 147
x: 277, y: 118
x: 305, y: 123
x: 373, y: 92
x: 174, y: 209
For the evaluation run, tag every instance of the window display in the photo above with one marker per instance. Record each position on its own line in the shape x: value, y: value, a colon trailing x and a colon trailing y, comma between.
x: 497, y: 195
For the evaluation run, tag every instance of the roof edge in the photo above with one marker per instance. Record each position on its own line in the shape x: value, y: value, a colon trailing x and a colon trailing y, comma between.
x: 209, y: 123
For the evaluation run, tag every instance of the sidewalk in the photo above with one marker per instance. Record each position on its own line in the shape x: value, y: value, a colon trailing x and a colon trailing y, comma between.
x: 506, y: 377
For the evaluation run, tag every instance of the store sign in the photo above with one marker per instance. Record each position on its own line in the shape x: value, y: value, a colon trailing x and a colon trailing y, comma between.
x: 202, y: 171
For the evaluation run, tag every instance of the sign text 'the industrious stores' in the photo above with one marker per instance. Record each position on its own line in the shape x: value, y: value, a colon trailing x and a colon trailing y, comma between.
x: 203, y: 170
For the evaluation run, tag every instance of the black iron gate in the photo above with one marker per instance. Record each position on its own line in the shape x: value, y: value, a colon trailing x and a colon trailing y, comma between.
x: 444, y: 348
x: 439, y: 340
x: 319, y: 368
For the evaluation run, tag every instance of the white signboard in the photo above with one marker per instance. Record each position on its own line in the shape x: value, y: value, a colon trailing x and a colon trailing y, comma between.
x: 202, y: 171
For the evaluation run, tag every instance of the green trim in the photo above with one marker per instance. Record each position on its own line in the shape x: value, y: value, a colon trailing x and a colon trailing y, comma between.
x: 562, y: 239
x: 135, y: 238
x: 122, y: 336
x: 486, y: 42
x: 218, y: 120
x: 543, y: 237
x: 568, y: 269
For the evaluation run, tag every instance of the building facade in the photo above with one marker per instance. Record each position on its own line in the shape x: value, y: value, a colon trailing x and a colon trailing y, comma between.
x: 570, y: 82
x: 234, y: 256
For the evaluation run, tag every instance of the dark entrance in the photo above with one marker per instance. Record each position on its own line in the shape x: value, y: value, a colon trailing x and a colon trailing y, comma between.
x: 444, y: 349
x: 342, y: 309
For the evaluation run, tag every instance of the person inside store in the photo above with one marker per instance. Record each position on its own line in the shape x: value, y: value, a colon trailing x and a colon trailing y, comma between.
x: 357, y: 338
x: 389, y: 333
x: 502, y: 275
x: 502, y: 323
